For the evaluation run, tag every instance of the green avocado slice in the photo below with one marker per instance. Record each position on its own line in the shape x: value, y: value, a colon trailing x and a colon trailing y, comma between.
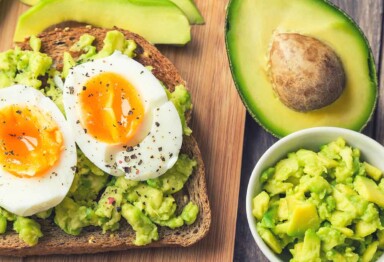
x: 250, y: 27
x: 188, y: 7
x: 190, y: 10
x: 159, y: 21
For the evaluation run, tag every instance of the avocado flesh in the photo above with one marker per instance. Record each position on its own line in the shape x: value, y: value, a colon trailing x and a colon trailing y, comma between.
x: 190, y: 9
x: 304, y: 217
x: 159, y: 21
x: 248, y: 50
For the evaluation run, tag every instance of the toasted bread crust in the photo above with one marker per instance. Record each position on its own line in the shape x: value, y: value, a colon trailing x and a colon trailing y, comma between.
x: 91, y: 240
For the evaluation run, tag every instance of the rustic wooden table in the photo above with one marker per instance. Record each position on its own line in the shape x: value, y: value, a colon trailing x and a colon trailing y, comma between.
x: 369, y: 15
x: 219, y: 124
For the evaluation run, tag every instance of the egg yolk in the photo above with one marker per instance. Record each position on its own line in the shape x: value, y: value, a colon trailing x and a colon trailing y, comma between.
x: 112, y: 111
x: 30, y: 141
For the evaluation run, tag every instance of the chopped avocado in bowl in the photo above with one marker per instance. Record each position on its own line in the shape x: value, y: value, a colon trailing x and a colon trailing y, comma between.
x: 317, y: 195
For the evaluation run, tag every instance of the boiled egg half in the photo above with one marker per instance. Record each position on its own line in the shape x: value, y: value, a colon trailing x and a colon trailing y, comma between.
x: 37, y: 152
x: 121, y: 116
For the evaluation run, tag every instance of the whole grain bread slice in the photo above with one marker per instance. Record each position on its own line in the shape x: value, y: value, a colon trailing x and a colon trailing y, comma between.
x: 91, y: 240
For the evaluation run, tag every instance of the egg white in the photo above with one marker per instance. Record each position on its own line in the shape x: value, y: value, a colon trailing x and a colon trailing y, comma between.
x: 156, y: 146
x: 28, y: 196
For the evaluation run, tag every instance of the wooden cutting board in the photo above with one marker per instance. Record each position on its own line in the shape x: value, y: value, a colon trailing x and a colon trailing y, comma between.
x: 218, y: 125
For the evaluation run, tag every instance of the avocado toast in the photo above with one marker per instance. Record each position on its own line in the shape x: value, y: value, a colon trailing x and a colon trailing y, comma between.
x: 91, y: 239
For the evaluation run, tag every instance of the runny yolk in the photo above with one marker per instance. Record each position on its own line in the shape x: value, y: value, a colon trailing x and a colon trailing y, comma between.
x: 30, y: 141
x: 111, y: 108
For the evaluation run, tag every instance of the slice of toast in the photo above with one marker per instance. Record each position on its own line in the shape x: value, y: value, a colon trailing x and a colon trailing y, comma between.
x: 91, y: 240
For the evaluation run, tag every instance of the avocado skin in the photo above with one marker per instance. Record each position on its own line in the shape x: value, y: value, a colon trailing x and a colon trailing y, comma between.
x: 257, y: 115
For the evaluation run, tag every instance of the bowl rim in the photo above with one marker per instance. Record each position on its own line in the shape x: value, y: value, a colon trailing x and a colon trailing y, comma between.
x: 252, y: 183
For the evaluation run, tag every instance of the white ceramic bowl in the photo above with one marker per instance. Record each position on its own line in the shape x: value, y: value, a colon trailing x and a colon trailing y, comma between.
x: 312, y: 139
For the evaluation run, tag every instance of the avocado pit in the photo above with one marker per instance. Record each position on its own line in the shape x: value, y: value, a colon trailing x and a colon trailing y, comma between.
x: 306, y: 74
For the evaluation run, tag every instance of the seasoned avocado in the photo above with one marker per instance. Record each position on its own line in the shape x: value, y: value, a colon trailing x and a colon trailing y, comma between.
x: 157, y: 21
x: 190, y: 212
x: 145, y: 230
x: 23, y: 67
x: 28, y: 229
x: 250, y: 59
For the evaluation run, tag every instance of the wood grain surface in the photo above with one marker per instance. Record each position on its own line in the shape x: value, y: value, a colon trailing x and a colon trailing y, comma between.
x: 218, y: 125
x: 369, y: 15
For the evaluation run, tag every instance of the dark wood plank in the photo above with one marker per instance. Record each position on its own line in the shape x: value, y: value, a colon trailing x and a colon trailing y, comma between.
x: 368, y: 14
x: 379, y: 121
x: 256, y: 142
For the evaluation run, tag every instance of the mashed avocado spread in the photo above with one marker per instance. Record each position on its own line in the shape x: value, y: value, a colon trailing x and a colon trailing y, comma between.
x: 324, y: 206
x: 95, y: 198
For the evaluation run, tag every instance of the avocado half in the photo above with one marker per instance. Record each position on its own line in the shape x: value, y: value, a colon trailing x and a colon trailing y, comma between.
x: 250, y: 27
